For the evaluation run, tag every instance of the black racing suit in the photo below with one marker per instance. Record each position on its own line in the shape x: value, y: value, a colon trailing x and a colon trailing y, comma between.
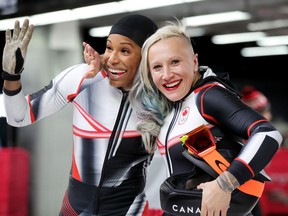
x: 214, y: 103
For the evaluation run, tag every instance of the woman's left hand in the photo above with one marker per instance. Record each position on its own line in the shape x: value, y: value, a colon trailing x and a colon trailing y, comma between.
x: 93, y: 59
x: 215, y: 202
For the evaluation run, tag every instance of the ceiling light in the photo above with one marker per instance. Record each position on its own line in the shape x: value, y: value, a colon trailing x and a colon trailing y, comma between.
x: 40, y: 19
x: 9, y: 23
x: 268, y: 25
x: 264, y: 51
x: 216, y: 18
x: 191, y: 0
x: 99, y: 10
x: 100, y: 31
x: 273, y: 41
x: 195, y: 32
x: 53, y: 17
x: 136, y: 5
x: 237, y: 38
x: 104, y: 31
x: 87, y: 12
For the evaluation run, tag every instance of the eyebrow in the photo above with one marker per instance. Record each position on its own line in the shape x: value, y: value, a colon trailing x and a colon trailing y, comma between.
x: 122, y: 43
x: 126, y: 43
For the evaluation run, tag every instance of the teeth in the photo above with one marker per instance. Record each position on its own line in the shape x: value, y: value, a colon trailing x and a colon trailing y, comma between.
x: 116, y: 71
x: 172, y: 84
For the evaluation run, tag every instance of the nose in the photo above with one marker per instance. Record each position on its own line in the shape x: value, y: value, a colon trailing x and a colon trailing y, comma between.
x: 167, y: 73
x: 113, y: 58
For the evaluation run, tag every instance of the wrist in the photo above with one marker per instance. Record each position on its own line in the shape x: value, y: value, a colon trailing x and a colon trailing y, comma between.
x: 227, y: 182
x: 10, y: 77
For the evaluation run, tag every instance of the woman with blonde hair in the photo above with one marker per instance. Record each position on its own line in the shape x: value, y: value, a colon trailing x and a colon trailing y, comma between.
x: 196, y: 119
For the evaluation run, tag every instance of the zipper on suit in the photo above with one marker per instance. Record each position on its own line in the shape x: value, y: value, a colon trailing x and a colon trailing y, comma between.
x: 110, y: 145
x: 177, y: 108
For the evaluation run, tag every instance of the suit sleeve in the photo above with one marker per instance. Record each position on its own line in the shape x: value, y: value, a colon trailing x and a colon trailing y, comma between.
x: 22, y: 110
x: 225, y: 109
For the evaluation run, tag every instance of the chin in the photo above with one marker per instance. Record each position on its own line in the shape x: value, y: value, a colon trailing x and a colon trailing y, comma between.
x: 171, y: 98
x: 116, y: 84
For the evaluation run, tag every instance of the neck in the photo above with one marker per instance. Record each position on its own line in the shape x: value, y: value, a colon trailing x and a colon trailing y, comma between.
x: 197, y: 77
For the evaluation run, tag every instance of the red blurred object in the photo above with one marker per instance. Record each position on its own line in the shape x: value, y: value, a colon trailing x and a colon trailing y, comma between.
x: 255, y: 98
x: 14, y: 180
x: 155, y: 212
x: 275, y: 197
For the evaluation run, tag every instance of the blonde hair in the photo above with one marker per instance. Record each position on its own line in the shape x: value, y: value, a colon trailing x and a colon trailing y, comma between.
x: 145, y: 97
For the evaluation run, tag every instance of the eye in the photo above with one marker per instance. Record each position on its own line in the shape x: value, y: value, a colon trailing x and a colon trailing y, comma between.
x: 175, y: 62
x: 156, y: 67
x: 108, y: 47
x: 125, y: 51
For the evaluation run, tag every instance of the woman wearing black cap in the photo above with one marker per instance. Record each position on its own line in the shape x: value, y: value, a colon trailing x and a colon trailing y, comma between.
x: 109, y: 160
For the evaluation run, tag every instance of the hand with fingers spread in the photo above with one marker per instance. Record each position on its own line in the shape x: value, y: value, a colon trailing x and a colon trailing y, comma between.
x: 15, y: 49
x: 93, y: 59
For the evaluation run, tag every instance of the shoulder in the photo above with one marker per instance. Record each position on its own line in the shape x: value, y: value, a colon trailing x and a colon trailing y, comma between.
x: 215, y: 99
x: 78, y: 67
x: 215, y: 91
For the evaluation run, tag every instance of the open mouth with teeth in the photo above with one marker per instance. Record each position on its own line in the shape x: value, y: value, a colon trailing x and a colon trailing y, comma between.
x: 116, y: 73
x: 172, y: 85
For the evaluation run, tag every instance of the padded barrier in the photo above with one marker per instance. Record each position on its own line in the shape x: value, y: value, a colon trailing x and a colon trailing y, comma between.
x: 14, y: 181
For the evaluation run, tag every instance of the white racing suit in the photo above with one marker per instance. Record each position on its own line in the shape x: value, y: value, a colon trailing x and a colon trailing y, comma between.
x: 109, y: 161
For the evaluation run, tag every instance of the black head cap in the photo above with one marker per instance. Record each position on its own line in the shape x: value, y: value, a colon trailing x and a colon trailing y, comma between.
x: 136, y: 27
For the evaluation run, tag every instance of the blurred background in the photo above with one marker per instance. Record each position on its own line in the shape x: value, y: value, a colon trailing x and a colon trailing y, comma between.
x: 247, y: 38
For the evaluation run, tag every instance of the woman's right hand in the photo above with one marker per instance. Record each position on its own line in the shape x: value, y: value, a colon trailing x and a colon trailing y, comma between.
x: 215, y: 202
x: 93, y: 59
x: 16, y: 46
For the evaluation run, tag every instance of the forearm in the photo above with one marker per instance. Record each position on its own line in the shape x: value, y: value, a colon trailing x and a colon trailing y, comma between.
x: 17, y: 108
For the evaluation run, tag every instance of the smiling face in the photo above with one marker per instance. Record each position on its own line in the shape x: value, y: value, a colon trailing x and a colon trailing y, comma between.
x: 121, y: 60
x: 173, y: 66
